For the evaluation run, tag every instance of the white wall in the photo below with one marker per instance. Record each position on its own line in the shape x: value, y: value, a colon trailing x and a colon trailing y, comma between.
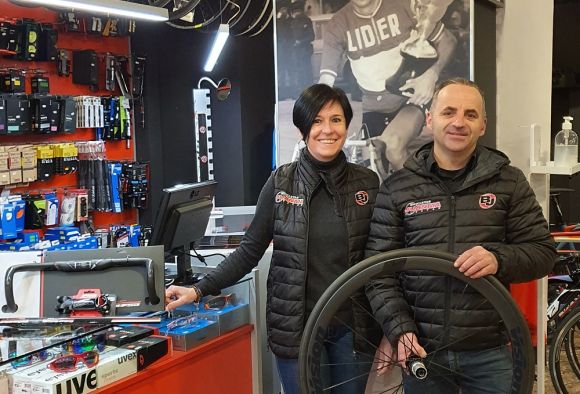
x: 524, y: 91
x: 524, y: 80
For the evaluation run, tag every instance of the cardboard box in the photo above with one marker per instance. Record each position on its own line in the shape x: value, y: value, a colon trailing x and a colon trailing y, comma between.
x: 41, y: 379
x: 29, y: 175
x: 5, y: 178
x: 4, y: 156
x: 116, y: 364
x: 148, y: 350
x: 15, y: 176
x: 15, y: 158
x: 29, y: 158
x: 7, y: 373
x: 21, y: 378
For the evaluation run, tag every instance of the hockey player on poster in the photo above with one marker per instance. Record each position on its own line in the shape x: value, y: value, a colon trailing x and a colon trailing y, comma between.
x: 397, y: 50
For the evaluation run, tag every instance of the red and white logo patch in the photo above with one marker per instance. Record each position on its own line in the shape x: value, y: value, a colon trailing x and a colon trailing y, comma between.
x: 421, y: 207
x: 361, y: 197
x: 487, y: 200
x: 283, y: 197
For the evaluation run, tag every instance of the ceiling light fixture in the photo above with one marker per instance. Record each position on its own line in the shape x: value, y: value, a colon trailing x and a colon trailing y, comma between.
x: 109, y: 7
x: 220, y: 40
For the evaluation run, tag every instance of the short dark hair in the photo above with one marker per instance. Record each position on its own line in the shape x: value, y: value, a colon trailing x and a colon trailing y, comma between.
x: 312, y: 100
x: 457, y: 81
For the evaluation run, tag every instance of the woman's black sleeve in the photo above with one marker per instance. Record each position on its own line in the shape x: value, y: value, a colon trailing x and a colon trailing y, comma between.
x: 252, y: 247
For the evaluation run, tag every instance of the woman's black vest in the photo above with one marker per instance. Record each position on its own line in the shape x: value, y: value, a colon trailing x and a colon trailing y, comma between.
x: 294, y: 184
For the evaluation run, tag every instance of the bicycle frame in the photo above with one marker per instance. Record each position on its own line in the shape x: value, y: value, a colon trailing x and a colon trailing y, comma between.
x: 567, y: 299
x: 568, y: 295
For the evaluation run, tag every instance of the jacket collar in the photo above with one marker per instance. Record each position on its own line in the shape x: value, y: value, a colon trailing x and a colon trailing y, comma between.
x: 487, y: 163
x: 312, y: 171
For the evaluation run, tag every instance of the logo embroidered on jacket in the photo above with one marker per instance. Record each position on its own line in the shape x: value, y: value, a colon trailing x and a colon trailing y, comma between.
x: 487, y: 200
x: 421, y: 206
x: 288, y: 199
x: 361, y: 197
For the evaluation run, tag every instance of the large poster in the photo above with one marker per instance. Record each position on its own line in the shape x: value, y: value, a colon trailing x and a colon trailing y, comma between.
x: 387, y: 55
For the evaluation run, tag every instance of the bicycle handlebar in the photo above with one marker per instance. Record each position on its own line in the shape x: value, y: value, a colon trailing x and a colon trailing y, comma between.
x: 78, y: 266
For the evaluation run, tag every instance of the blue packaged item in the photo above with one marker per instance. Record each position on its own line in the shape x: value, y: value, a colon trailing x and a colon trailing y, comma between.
x: 19, y: 213
x: 115, y: 170
x: 134, y: 234
x: 229, y: 316
x: 8, y: 221
x: 51, y: 213
x: 62, y: 234
x: 188, y: 331
x: 30, y: 237
x: 18, y: 247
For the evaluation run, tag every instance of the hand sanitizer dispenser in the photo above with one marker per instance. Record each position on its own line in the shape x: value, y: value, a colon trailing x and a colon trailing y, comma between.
x: 566, y: 145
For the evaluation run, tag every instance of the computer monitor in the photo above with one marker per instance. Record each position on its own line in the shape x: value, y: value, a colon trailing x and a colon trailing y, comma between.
x: 181, y: 221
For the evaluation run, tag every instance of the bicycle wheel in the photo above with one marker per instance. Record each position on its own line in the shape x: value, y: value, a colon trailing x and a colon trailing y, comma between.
x: 563, y: 359
x: 324, y: 315
x: 204, y: 14
x: 571, y: 352
x: 177, y: 8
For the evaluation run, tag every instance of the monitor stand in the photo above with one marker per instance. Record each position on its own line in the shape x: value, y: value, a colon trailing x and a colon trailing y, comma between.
x: 185, y: 275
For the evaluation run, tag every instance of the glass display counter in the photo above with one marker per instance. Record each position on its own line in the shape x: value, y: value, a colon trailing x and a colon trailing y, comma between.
x: 29, y: 340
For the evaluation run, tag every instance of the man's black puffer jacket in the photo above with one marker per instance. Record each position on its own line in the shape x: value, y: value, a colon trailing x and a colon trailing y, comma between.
x: 495, y: 208
x: 285, y: 310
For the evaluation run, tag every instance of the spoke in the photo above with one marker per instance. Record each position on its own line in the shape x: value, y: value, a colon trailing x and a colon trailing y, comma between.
x: 360, y: 336
x: 490, y: 298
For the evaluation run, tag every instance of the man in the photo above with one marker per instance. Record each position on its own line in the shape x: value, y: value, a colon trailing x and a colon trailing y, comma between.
x: 395, y: 85
x: 284, y: 44
x: 302, y: 34
x: 453, y: 195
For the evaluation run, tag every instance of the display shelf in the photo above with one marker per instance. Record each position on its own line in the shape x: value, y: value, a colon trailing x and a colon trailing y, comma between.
x: 221, y: 365
x: 63, y: 85
x: 552, y: 169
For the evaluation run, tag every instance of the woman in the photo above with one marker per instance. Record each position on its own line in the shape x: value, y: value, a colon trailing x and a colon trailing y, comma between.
x: 317, y: 211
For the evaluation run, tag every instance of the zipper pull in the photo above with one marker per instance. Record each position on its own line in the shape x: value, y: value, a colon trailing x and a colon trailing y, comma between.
x: 452, y: 201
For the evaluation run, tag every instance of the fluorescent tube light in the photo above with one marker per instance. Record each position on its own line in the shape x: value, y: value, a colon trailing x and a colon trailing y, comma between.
x: 222, y: 36
x: 109, y: 7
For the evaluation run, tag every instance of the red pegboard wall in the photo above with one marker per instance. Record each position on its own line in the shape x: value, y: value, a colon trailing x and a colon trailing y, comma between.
x: 116, y: 150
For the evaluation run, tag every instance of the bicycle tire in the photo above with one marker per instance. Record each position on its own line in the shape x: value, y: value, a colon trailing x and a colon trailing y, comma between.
x: 159, y: 3
x: 256, y: 21
x: 556, y: 360
x: 264, y: 25
x: 183, y: 10
x: 571, y: 351
x: 357, y: 276
x: 185, y: 25
x: 240, y: 15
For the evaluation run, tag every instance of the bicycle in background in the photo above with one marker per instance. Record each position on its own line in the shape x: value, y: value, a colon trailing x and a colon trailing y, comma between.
x: 563, y: 303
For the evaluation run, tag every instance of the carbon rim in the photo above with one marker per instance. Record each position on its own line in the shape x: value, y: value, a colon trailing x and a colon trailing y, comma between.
x: 354, y: 279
